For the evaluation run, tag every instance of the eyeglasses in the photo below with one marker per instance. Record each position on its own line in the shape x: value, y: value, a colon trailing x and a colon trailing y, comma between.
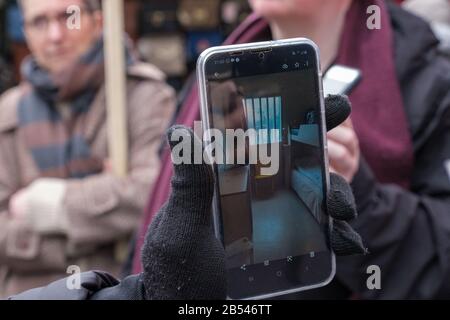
x: 42, y: 22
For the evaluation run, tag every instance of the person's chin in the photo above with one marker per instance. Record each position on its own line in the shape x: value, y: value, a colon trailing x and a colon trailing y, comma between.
x: 60, y: 63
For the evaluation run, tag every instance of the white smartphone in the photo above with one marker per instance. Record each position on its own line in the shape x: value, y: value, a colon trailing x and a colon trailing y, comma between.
x: 269, y: 211
x: 340, y: 79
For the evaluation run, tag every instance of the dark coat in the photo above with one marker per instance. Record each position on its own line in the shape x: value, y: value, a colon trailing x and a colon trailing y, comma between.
x: 93, y: 285
x: 407, y: 232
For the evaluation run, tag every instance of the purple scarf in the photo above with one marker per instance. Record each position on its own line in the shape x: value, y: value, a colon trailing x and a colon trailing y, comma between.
x: 378, y: 111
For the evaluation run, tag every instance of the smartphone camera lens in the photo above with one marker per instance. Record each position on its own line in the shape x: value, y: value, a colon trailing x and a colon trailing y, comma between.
x: 261, y: 55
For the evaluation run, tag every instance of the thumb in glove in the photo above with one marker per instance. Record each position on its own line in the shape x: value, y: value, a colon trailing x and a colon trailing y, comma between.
x: 182, y: 258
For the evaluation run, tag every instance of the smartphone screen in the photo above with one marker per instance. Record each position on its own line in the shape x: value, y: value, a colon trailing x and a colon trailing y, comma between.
x: 270, y: 209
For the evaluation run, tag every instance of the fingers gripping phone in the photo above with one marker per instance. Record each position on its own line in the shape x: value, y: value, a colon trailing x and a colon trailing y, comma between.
x: 269, y: 209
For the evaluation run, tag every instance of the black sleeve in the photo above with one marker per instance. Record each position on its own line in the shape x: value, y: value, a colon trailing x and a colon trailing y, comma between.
x: 90, y: 283
x: 130, y: 288
x: 94, y: 285
x: 407, y: 232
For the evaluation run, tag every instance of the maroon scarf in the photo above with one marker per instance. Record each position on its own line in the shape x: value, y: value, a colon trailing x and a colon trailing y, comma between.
x: 378, y: 111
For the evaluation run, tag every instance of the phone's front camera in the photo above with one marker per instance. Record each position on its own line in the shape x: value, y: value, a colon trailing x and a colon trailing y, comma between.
x: 261, y: 55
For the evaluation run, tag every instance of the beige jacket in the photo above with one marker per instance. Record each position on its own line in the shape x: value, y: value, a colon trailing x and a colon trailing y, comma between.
x: 102, y: 210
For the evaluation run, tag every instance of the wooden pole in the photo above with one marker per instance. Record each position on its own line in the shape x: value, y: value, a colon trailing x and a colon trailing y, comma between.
x: 115, y: 83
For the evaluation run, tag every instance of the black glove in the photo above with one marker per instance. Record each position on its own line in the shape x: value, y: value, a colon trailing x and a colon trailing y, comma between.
x: 182, y: 259
x: 341, y: 202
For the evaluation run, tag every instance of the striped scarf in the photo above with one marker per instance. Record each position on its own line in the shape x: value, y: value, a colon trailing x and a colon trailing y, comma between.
x: 57, y: 144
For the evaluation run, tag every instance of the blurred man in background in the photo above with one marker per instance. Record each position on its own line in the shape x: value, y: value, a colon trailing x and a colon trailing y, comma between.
x: 60, y: 205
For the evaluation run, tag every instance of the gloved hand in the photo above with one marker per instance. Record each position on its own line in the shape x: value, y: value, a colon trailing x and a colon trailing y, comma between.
x: 41, y: 206
x: 182, y: 258
x: 341, y: 202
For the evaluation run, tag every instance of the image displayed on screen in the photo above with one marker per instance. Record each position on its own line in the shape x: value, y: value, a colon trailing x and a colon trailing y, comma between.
x: 277, y: 216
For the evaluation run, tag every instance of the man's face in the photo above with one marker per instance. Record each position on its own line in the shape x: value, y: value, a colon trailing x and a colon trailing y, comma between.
x: 54, y: 45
